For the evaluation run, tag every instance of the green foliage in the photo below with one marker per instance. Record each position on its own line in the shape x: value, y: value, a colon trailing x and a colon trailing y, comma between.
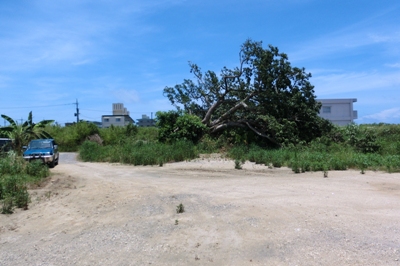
x: 189, y: 127
x: 265, y: 96
x: 147, y: 134
x: 209, y: 145
x: 14, y: 192
x: 238, y: 164
x: 138, y: 152
x: 364, y: 147
x: 175, y: 125
x: 71, y: 137
x: 339, y: 149
x: 7, y: 204
x: 37, y: 170
x: 15, y: 177
x: 115, y: 135
x: 362, y: 139
x: 92, y: 152
x: 180, y: 209
x: 12, y: 164
x: 166, y: 121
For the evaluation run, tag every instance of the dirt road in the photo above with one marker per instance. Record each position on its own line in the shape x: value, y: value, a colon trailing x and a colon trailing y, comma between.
x: 111, y: 214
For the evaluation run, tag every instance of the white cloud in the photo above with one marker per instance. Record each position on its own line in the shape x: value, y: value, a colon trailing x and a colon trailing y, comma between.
x: 356, y: 81
x: 383, y: 116
x: 395, y: 65
x: 42, y: 45
x: 370, y: 31
x: 339, y: 43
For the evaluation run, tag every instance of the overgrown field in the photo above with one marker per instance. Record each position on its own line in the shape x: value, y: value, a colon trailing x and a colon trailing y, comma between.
x: 364, y: 147
x: 16, y: 176
x: 138, y: 153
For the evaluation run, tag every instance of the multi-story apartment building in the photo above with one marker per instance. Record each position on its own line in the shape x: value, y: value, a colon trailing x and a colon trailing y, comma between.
x: 338, y: 111
x: 120, y: 117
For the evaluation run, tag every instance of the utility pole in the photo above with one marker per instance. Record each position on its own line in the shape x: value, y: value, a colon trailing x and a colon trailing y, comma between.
x: 77, y: 112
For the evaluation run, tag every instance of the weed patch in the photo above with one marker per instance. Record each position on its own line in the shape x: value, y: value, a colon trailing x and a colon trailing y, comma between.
x: 180, y: 208
x: 16, y: 176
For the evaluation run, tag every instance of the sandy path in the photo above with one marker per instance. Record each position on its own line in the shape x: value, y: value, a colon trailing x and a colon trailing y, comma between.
x: 105, y: 214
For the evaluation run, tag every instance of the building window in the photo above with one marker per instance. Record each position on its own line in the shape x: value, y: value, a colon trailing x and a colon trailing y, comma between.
x: 118, y: 119
x: 106, y: 120
x: 326, y: 109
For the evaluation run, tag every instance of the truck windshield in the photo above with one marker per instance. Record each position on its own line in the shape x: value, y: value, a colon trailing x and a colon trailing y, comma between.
x: 39, y: 145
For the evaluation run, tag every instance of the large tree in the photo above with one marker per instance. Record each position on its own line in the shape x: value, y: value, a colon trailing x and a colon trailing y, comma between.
x: 21, y: 134
x: 264, y: 94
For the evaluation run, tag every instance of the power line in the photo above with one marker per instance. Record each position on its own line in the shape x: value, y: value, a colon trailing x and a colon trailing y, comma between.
x: 95, y: 110
x: 28, y: 107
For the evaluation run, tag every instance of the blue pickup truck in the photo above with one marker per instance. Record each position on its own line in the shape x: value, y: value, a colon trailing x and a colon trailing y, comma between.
x: 42, y: 149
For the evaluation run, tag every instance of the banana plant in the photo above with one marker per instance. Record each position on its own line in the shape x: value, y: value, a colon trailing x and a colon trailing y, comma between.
x: 21, y: 134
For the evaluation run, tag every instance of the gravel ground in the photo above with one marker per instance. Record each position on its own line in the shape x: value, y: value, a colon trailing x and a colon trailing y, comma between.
x: 112, y: 214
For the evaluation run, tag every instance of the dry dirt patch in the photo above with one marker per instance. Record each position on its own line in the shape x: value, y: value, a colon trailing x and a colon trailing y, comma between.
x: 111, y: 214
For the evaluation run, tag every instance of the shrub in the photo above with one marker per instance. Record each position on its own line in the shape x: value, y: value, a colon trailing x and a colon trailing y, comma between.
x: 175, y: 125
x: 15, y: 177
x: 37, y: 169
x: 238, y: 164
x: 14, y: 192
x: 180, y: 208
x: 90, y: 152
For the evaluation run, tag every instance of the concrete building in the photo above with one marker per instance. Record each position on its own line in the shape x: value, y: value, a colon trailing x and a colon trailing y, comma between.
x: 146, y: 121
x: 120, y: 117
x: 339, y: 111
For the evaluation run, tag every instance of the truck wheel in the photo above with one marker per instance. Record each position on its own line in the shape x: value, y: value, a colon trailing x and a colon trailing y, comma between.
x: 52, y: 164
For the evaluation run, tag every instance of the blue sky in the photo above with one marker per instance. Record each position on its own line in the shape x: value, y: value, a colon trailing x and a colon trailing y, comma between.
x: 102, y: 52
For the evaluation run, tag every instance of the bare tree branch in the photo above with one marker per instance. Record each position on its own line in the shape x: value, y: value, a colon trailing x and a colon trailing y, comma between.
x: 241, y: 104
x: 207, y: 117
x: 224, y: 126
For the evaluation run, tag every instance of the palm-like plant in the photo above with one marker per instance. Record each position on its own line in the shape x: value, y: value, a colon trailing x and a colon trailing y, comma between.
x: 21, y: 134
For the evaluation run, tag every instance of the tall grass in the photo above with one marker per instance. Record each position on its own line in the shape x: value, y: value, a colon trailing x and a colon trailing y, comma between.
x: 138, y: 152
x: 70, y: 138
x: 16, y: 176
x: 366, y: 147
x: 309, y: 158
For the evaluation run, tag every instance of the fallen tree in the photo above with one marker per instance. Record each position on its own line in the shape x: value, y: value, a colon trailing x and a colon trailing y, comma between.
x: 264, y: 94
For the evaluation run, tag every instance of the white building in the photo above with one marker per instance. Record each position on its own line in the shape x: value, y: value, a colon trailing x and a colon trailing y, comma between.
x: 120, y: 117
x: 339, y: 111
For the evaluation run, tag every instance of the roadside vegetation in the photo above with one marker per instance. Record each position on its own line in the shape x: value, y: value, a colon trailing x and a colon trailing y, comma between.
x: 363, y: 147
x: 16, y: 177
